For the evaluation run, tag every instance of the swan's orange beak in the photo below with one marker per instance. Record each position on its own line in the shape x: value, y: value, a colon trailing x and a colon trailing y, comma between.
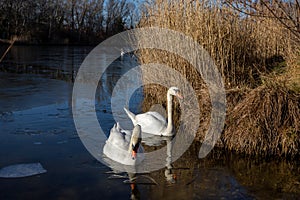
x: 133, y: 154
x: 132, y: 185
x: 179, y: 95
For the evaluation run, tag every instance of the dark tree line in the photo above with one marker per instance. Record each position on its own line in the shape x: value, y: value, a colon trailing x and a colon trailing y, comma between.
x: 64, y: 21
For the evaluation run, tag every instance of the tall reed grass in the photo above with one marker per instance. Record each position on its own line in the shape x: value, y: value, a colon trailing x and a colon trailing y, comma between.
x: 250, y: 53
x: 242, y: 47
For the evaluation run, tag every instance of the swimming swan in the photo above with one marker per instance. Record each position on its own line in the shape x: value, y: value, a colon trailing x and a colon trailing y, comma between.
x: 153, y: 122
x: 123, y: 146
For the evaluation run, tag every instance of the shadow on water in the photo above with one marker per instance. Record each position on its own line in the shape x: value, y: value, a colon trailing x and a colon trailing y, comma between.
x: 37, y: 126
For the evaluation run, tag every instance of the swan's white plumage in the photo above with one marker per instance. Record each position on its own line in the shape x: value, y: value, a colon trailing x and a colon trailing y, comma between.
x: 153, y: 122
x: 118, y: 144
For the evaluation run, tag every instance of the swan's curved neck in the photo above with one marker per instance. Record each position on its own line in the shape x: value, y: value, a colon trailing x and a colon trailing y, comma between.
x: 130, y: 145
x: 135, y: 138
x: 169, y: 103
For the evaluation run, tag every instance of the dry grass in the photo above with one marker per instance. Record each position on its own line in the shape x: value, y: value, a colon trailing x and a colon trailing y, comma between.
x: 243, y: 48
x: 293, y: 73
x: 259, y: 64
x: 266, y: 122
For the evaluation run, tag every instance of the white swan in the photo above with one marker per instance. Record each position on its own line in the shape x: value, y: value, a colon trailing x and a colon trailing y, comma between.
x: 153, y: 122
x: 123, y: 146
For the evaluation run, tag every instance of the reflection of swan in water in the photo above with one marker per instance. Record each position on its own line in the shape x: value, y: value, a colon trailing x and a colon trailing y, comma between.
x: 153, y: 122
x: 135, y: 193
x: 123, y: 146
x: 155, y: 140
x: 170, y: 176
x: 133, y: 180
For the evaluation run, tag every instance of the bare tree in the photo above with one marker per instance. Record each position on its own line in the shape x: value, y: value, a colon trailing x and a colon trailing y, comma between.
x: 54, y: 20
x: 286, y: 13
x: 116, y: 13
x: 94, y: 16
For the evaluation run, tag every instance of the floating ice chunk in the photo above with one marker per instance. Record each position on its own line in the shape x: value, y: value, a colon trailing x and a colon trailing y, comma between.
x: 21, y: 170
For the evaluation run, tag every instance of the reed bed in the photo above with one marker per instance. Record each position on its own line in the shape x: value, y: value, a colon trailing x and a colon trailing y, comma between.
x: 243, y: 48
x: 258, y: 61
x: 266, y: 122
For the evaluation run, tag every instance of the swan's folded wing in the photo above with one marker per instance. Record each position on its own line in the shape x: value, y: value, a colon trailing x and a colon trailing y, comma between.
x: 121, y: 155
x: 158, y: 116
x: 151, y: 122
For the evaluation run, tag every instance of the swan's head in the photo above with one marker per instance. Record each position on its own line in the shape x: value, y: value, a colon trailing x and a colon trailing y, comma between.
x: 135, y: 140
x: 175, y: 91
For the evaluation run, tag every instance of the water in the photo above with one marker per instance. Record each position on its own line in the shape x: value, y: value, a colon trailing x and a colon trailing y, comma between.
x: 37, y: 126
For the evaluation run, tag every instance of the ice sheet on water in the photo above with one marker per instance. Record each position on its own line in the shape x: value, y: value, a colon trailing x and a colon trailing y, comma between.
x: 22, y: 170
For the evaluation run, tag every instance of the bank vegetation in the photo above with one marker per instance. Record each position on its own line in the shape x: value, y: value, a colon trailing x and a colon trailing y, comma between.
x: 255, y: 45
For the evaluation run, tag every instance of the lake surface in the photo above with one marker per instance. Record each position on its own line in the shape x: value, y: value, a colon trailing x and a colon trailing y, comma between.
x: 36, y: 125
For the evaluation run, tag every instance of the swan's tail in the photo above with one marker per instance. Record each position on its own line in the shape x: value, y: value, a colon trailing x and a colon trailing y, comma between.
x: 130, y: 115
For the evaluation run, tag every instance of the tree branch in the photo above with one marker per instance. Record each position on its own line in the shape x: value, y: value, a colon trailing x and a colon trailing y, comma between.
x: 7, y: 50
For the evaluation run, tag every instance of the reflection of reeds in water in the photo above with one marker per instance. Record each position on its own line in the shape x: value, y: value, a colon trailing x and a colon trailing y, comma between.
x: 280, y: 177
x: 228, y: 175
